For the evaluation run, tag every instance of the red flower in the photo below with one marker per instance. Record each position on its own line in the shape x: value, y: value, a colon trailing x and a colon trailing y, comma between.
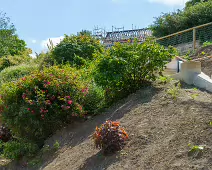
x: 45, y: 111
x: 33, y: 112
x: 42, y: 116
x: 28, y: 109
x: 70, y: 102
x: 52, y: 98
x: 24, y: 96
x: 48, y: 102
x: 24, y: 78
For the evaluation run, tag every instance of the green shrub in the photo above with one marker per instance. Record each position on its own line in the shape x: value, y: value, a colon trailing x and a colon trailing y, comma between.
x: 45, y: 60
x: 17, y: 149
x: 13, y: 73
x: 126, y: 67
x: 95, y: 99
x: 37, y: 105
x: 207, y: 43
x: 76, y: 49
x: 56, y: 145
x: 8, y: 61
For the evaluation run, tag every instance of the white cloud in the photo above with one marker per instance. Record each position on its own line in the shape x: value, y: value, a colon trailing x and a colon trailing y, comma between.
x: 170, y: 2
x: 34, y: 41
x: 33, y: 55
x: 55, y: 41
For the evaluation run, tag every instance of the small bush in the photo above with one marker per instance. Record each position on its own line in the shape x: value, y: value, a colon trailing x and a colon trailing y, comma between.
x: 17, y: 149
x: 207, y: 43
x: 110, y: 137
x: 174, y: 90
x: 13, y: 73
x: 95, y: 99
x: 56, y: 145
x: 38, y: 104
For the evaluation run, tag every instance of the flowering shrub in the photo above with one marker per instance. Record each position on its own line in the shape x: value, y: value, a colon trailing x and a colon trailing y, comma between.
x: 37, y: 105
x: 110, y: 137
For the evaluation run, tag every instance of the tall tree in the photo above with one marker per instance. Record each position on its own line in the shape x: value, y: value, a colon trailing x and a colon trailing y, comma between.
x: 168, y: 23
x: 10, y: 44
x: 85, y: 32
x: 194, y: 2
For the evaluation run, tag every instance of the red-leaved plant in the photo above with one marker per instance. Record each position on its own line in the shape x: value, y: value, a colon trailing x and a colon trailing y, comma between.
x: 110, y: 137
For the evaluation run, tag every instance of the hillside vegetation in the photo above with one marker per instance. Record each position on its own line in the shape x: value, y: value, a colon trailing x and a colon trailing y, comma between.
x: 55, y: 108
x: 194, y: 15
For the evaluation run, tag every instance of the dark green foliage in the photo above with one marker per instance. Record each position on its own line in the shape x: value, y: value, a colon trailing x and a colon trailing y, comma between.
x: 94, y: 100
x: 194, y: 2
x: 45, y: 60
x: 76, y: 50
x: 5, y: 134
x: 15, y: 150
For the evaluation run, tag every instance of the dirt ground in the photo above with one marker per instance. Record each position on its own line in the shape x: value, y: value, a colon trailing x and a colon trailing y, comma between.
x: 160, y: 129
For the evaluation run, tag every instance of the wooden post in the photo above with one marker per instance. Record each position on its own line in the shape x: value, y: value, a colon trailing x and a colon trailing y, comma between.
x: 194, y: 39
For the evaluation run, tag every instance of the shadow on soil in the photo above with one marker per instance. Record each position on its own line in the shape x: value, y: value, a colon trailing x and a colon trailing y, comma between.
x: 99, y: 162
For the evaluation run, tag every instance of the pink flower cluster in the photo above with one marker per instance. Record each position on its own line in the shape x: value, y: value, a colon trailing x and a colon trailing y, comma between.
x: 85, y: 91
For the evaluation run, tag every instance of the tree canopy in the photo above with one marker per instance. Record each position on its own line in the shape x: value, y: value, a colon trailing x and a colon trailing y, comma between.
x: 77, y: 49
x: 195, y: 13
x: 194, y: 2
x: 10, y: 44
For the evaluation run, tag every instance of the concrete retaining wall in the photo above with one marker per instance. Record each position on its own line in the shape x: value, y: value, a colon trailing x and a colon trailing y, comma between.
x: 191, y: 73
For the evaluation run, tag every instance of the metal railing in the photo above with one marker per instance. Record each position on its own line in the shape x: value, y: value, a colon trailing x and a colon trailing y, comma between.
x: 189, y: 39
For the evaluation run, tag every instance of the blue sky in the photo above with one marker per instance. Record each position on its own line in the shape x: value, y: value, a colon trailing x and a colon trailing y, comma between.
x: 38, y: 20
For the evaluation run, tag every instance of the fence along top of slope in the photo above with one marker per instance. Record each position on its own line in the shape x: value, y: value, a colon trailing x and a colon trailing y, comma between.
x: 196, y: 35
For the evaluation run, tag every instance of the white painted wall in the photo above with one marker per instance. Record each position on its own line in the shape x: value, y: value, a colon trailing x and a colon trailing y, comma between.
x: 191, y: 74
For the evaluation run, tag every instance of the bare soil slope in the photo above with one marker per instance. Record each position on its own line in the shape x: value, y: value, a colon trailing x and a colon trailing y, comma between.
x: 160, y: 129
